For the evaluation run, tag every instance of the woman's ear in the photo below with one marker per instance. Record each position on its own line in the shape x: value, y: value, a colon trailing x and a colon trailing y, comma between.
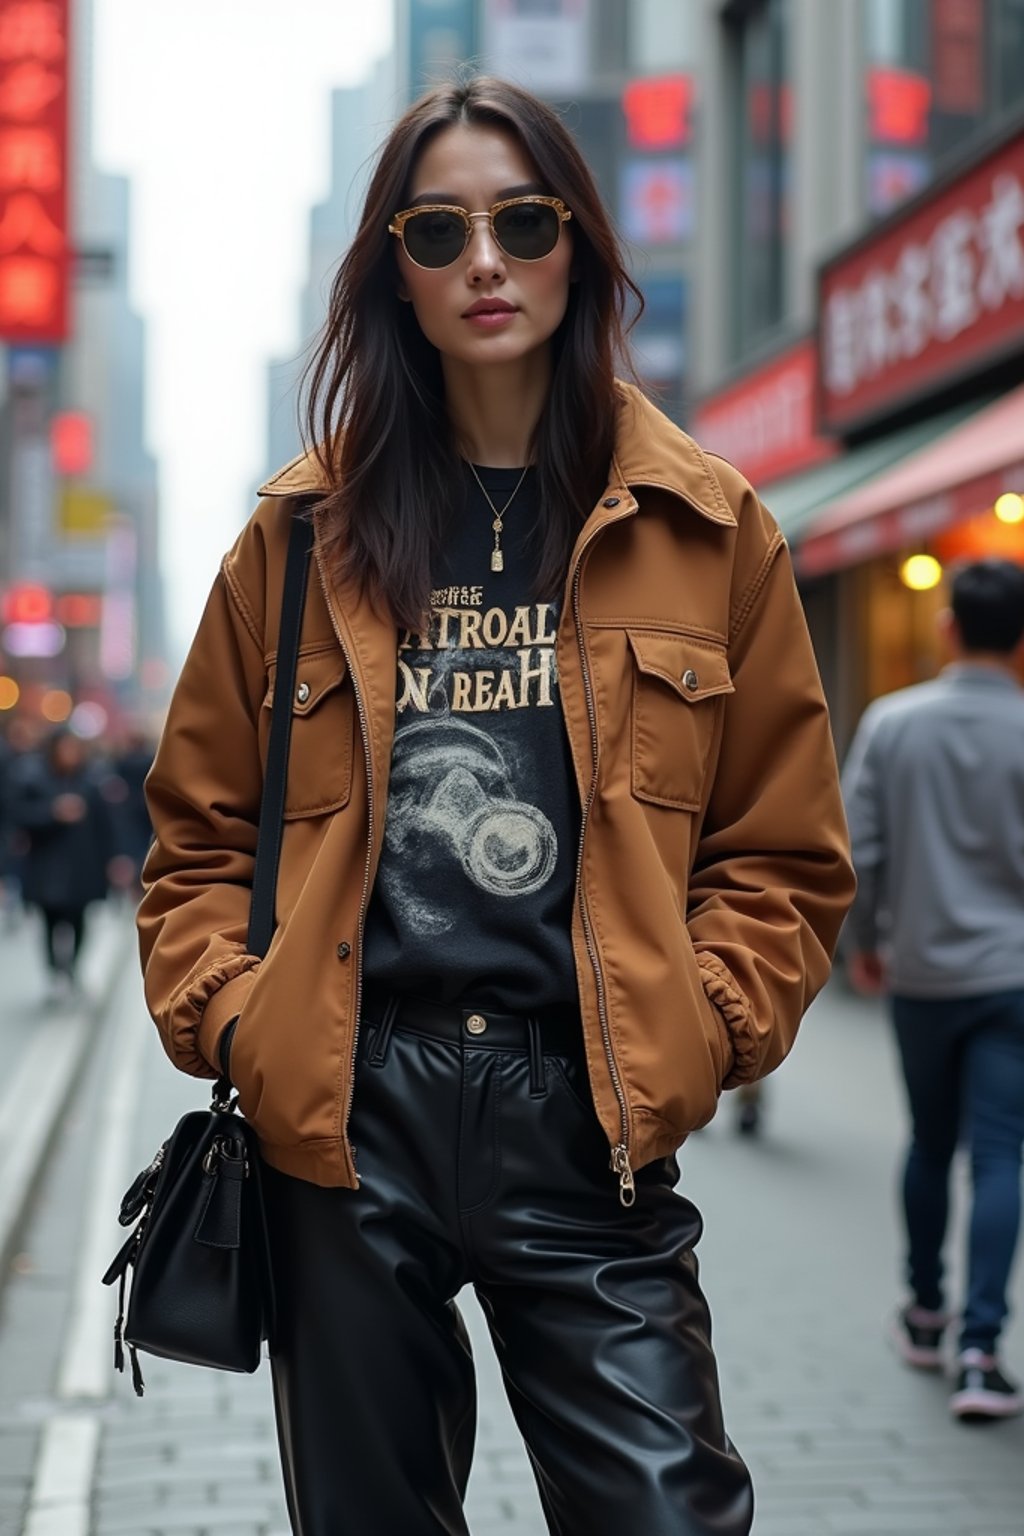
x: 402, y: 291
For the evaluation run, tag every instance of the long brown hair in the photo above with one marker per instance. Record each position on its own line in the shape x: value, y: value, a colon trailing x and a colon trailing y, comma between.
x: 374, y: 393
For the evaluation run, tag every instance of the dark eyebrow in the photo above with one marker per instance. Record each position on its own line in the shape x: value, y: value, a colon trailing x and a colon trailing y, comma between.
x: 526, y: 189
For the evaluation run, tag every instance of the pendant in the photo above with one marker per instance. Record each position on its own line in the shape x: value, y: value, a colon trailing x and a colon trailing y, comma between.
x: 497, y: 560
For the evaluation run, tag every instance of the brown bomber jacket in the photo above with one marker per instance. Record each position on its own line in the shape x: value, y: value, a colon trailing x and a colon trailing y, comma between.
x: 701, y: 746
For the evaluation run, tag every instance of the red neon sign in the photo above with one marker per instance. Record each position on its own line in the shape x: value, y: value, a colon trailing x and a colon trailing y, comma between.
x: 27, y: 603
x: 34, y: 256
x: 71, y: 443
x: 658, y: 112
x: 898, y: 103
x: 80, y: 610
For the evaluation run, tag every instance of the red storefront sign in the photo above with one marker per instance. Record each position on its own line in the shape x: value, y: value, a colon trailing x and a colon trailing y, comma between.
x: 765, y: 424
x: 34, y: 257
x: 935, y: 294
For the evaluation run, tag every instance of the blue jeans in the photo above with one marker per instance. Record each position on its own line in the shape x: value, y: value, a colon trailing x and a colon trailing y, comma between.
x: 963, y: 1061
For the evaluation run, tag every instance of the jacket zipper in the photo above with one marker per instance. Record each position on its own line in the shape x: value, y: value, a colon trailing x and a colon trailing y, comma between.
x: 369, y: 856
x: 620, y: 1152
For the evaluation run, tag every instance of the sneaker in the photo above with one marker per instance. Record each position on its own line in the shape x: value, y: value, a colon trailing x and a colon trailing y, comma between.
x: 916, y: 1336
x: 982, y: 1391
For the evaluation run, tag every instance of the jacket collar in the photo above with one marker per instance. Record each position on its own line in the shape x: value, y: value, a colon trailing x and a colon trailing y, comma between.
x: 649, y: 450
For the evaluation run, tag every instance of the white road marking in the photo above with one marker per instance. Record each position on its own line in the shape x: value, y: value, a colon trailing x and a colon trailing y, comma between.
x: 35, y: 1093
x: 62, y: 1487
x: 87, y: 1359
x: 45, y: 1070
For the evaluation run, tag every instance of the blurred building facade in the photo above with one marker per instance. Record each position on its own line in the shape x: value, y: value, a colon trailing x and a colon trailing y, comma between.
x: 859, y: 339
x: 842, y: 188
x: 361, y: 117
x: 623, y: 78
x: 83, y: 633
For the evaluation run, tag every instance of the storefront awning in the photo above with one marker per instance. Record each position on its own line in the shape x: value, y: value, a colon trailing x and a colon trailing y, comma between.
x: 801, y: 500
x: 961, y: 469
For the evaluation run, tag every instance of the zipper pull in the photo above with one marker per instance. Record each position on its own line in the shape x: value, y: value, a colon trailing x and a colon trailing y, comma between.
x: 620, y: 1165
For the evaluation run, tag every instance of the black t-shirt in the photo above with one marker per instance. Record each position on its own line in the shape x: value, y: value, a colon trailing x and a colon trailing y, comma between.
x: 473, y: 897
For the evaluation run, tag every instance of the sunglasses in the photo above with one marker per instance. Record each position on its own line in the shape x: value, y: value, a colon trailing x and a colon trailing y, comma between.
x: 526, y: 228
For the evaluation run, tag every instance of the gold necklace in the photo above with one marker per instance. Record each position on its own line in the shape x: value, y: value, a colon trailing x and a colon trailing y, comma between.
x: 497, y: 556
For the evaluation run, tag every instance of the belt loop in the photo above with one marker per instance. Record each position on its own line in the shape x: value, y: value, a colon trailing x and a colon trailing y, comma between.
x: 538, y: 1082
x: 379, y: 1052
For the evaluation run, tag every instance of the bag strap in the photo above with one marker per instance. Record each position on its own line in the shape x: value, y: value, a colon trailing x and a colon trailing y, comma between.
x: 262, y: 918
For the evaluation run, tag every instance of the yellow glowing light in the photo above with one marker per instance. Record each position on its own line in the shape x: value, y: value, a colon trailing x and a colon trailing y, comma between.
x: 1010, y: 508
x: 55, y: 705
x: 920, y: 573
x: 10, y: 693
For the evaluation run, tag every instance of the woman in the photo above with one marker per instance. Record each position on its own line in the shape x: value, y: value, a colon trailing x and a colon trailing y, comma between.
x: 563, y: 855
x: 69, y: 848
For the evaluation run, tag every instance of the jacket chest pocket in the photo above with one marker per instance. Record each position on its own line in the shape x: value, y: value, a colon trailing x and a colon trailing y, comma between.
x: 678, y: 687
x: 323, y: 722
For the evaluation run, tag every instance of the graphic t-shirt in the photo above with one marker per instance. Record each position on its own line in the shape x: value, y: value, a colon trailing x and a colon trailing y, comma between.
x: 473, y: 898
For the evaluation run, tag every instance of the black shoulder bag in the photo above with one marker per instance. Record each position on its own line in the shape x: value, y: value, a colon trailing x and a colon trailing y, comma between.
x: 201, y: 1287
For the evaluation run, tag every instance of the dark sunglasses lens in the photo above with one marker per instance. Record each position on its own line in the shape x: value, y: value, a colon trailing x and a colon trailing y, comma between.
x: 434, y: 239
x: 527, y: 231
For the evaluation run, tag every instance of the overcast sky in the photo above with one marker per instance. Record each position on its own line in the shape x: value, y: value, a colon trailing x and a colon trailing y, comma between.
x: 218, y: 111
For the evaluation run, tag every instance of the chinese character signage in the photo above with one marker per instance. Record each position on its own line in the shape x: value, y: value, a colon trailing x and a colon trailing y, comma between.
x: 765, y: 423
x: 33, y: 170
x: 936, y: 294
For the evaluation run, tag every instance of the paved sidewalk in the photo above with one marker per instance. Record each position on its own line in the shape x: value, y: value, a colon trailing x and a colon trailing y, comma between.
x: 43, y: 1042
x: 799, y: 1260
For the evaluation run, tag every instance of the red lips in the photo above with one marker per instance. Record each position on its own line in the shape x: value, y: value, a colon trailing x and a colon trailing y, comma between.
x: 490, y: 307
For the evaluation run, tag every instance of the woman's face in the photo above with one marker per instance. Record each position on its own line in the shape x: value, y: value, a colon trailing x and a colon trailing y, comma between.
x: 473, y: 167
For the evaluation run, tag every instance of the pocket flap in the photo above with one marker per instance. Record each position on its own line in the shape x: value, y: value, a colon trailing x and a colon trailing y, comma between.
x: 315, y: 677
x: 694, y: 669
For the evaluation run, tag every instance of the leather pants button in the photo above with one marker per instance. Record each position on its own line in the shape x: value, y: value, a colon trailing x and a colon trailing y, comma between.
x: 476, y: 1024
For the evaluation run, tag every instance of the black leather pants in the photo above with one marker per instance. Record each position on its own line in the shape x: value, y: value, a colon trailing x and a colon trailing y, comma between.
x: 482, y: 1162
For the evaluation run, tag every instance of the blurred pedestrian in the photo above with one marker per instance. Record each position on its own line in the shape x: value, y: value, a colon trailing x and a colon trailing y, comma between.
x: 9, y: 884
x: 749, y: 1108
x: 123, y: 787
x: 602, y: 889
x: 934, y: 787
x: 21, y: 740
x: 67, y: 824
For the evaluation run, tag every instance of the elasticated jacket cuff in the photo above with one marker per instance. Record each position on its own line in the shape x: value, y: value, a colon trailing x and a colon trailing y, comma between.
x: 733, y: 1008
x: 225, y: 1004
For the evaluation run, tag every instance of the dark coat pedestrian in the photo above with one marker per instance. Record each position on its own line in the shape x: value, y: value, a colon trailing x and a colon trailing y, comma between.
x: 70, y: 841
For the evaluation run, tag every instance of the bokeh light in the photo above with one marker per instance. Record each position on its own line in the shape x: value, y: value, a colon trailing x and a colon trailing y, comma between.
x: 55, y: 706
x: 88, y: 720
x: 1010, y: 508
x: 920, y: 573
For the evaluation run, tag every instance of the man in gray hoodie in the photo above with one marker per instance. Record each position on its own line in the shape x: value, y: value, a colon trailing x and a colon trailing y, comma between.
x: 934, y: 787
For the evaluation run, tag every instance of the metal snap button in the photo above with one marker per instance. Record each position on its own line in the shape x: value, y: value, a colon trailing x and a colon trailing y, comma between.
x: 302, y: 692
x: 476, y: 1024
x: 610, y: 501
x: 344, y: 949
x: 691, y: 680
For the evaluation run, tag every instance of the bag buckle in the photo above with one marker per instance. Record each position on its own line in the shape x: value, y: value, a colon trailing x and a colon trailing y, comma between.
x: 226, y: 1148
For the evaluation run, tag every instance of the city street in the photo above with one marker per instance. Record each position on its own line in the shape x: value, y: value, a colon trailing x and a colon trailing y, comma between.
x: 799, y: 1261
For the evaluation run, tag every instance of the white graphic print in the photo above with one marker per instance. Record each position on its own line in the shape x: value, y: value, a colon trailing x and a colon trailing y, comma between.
x: 453, y: 801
